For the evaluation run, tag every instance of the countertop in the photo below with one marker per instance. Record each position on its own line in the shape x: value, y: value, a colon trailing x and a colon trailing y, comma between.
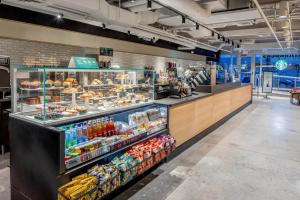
x: 173, y: 102
x: 220, y: 88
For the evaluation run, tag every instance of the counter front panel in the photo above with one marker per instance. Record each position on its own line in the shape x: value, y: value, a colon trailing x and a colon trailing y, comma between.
x: 189, y: 119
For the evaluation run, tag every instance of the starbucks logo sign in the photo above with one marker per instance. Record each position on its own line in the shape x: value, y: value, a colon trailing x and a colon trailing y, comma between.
x: 281, y: 65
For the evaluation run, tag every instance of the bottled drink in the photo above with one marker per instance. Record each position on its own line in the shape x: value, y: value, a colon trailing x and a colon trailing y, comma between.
x: 90, y: 130
x: 94, y: 129
x: 85, y: 131
x: 104, y: 127
x: 99, y: 132
x: 78, y: 129
x: 112, y: 126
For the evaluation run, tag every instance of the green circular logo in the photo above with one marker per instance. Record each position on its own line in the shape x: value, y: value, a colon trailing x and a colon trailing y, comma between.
x: 281, y: 64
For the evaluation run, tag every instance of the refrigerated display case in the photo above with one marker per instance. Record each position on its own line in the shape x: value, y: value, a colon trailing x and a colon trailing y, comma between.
x: 46, y: 95
x: 46, y: 157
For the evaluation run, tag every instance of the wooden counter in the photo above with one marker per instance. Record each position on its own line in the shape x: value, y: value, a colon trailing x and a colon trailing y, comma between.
x: 192, y: 118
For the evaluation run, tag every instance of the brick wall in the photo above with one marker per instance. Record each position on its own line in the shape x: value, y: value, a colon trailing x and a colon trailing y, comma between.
x: 23, y: 52
x: 30, y: 53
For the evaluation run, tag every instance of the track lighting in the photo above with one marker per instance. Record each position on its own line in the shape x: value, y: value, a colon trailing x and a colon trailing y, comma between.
x: 219, y: 36
x: 129, y: 32
x: 149, y: 5
x: 183, y: 19
x: 103, y: 26
x: 213, y: 34
x: 197, y: 26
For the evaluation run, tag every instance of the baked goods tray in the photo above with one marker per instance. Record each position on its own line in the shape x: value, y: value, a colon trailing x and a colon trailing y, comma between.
x: 41, y: 89
x: 103, y: 85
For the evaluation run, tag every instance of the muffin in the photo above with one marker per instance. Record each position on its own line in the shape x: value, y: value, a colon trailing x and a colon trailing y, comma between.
x: 49, y: 83
x: 57, y: 83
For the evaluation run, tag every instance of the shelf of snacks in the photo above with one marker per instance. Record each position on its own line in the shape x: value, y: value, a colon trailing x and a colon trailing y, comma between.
x: 90, y: 139
x: 104, y: 178
x: 92, y: 91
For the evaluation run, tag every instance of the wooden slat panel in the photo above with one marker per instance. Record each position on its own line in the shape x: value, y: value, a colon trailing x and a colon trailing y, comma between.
x: 188, y: 120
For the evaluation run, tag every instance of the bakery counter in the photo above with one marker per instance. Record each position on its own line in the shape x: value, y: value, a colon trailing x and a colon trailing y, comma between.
x: 193, y: 116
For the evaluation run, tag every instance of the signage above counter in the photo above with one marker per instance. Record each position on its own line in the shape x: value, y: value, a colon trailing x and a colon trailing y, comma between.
x: 83, y: 63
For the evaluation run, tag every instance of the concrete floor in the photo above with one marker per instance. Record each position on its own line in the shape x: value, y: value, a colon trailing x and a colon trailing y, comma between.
x: 253, y: 156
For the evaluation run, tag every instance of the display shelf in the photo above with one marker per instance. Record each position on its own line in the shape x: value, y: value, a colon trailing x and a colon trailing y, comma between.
x: 42, y: 89
x: 102, y: 85
x: 148, y: 136
x: 111, y: 148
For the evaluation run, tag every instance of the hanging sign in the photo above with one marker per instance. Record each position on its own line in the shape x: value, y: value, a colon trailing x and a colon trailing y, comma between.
x: 267, y: 82
x: 83, y: 63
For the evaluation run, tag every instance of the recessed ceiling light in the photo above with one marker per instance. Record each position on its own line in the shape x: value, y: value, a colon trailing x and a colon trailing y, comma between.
x: 132, y: 1
x: 283, y: 17
x: 59, y: 16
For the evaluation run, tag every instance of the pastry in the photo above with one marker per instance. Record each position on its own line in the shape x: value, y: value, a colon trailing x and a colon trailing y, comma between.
x: 49, y: 83
x: 99, y: 94
x: 56, y: 98
x: 92, y: 93
x: 32, y: 100
x: 81, y: 109
x: 25, y: 84
x: 57, y: 83
x: 96, y: 82
x: 70, y: 90
x: 67, y: 84
x: 109, y: 81
x: 35, y: 84
x: 86, y: 96
x: 71, y: 81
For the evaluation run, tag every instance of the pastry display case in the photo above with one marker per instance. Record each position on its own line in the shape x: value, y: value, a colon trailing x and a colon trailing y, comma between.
x: 46, y: 157
x: 46, y: 95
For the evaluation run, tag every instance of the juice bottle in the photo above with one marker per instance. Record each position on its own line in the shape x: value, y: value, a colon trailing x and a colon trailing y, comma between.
x: 94, y: 129
x: 104, y: 127
x: 112, y: 126
x: 98, y: 127
x: 78, y: 129
x: 85, y: 131
x: 67, y: 138
x: 90, y: 130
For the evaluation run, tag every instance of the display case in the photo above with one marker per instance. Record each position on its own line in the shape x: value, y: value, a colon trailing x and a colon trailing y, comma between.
x: 47, y: 95
x: 45, y: 158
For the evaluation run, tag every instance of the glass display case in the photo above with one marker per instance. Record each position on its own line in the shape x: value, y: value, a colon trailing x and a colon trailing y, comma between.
x: 50, y: 94
x: 88, y: 139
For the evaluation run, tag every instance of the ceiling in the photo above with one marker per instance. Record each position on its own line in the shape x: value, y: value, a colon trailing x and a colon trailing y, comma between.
x: 223, y: 24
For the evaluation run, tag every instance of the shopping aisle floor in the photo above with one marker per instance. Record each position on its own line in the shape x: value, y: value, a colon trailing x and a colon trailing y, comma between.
x: 253, y: 156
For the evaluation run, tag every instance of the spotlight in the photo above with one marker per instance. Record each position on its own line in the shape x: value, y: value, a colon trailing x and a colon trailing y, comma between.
x: 213, y: 34
x: 149, y: 5
x: 129, y: 32
x: 59, y: 16
x: 197, y: 26
x: 223, y: 38
x: 219, y: 36
x: 103, y: 26
x: 232, y: 43
x: 183, y: 19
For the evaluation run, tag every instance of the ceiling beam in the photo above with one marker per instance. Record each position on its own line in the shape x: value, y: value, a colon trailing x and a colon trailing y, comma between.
x: 267, y: 21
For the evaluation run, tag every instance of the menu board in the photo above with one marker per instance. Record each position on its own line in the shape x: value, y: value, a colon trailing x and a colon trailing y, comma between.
x: 4, y: 71
x: 267, y: 82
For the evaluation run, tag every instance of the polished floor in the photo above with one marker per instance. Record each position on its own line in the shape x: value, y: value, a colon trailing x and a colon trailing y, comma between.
x: 253, y: 156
